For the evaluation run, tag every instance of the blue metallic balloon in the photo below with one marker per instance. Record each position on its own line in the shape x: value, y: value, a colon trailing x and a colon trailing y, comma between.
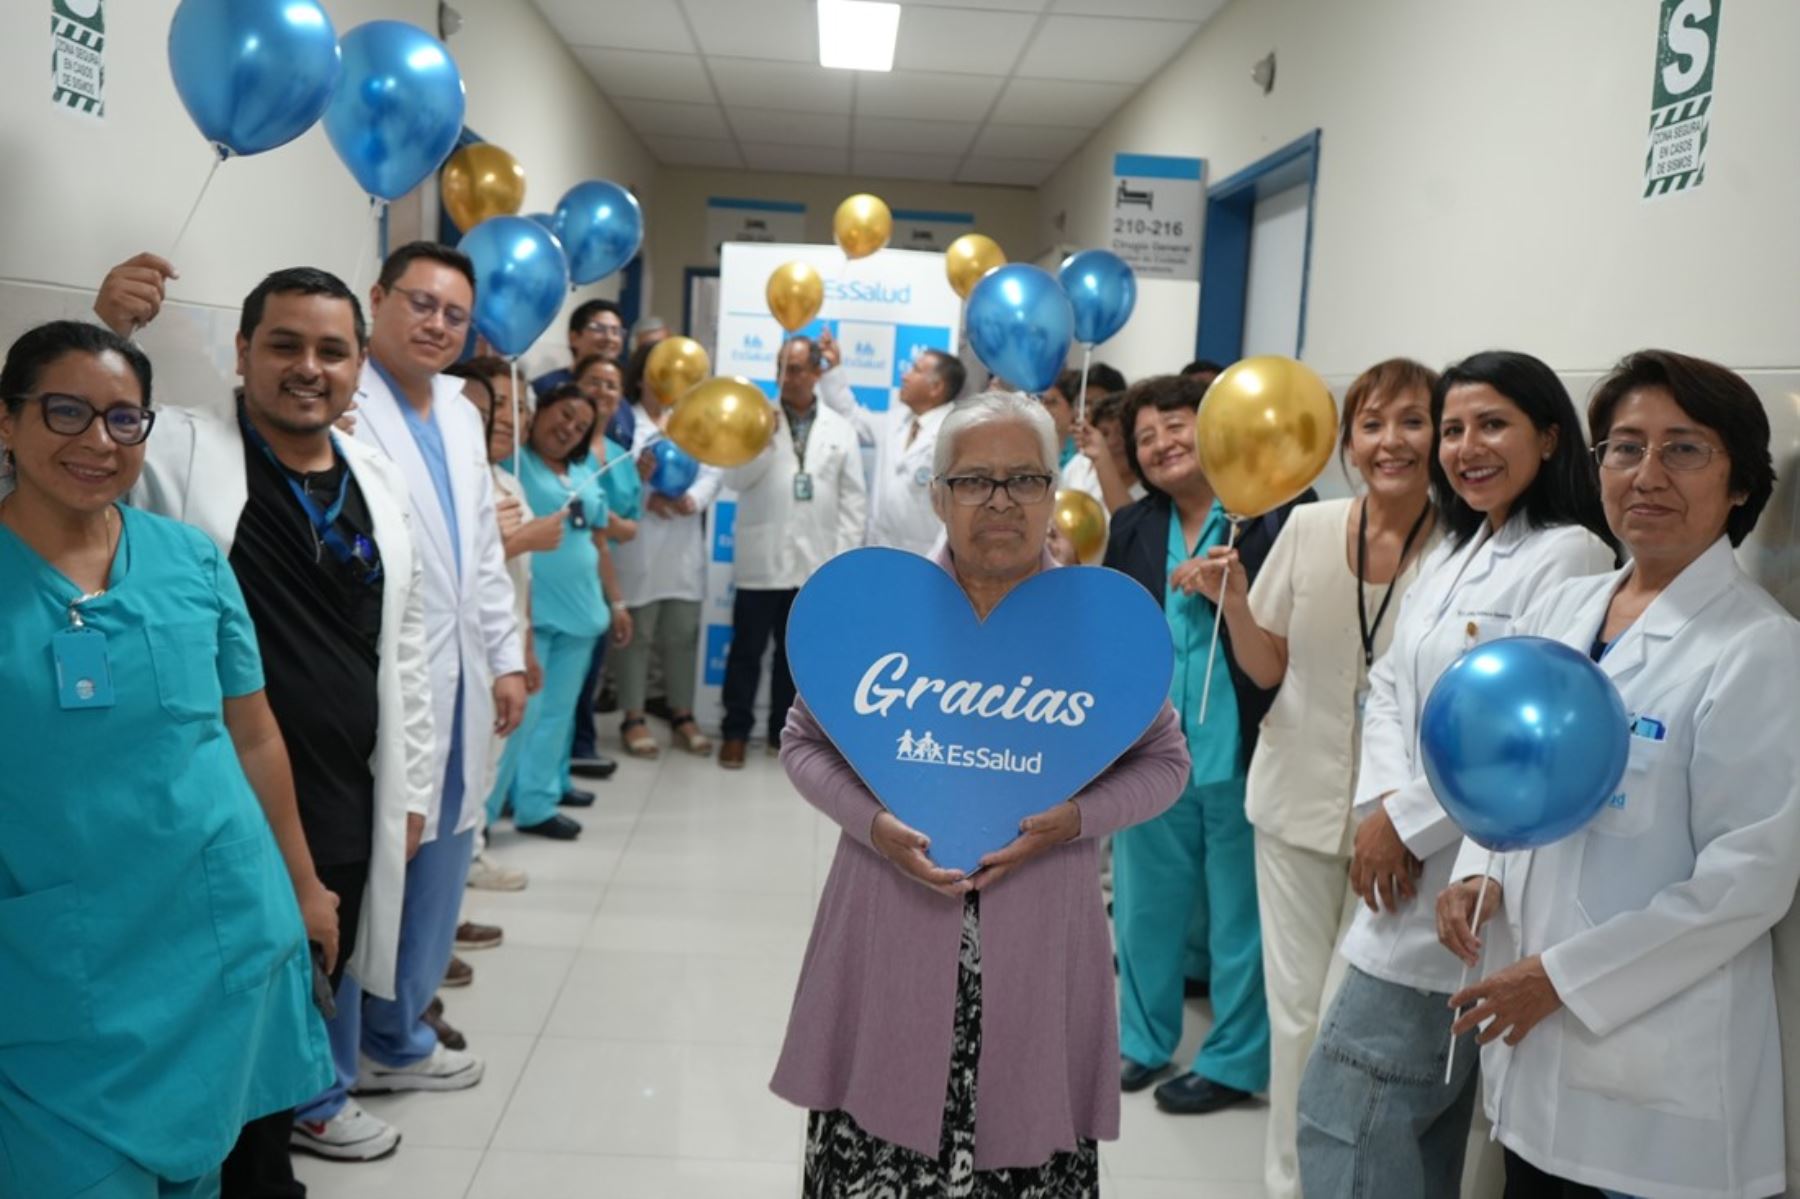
x: 1020, y: 323
x: 520, y: 281
x: 547, y: 221
x: 1102, y: 290
x: 675, y: 470
x: 253, y: 74
x: 601, y: 227
x: 1524, y: 740
x: 398, y: 109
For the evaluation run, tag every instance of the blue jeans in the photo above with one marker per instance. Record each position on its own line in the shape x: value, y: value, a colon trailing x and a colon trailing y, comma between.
x: 1377, y: 1120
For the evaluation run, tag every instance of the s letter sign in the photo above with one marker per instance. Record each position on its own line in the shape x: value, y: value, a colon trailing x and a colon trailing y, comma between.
x: 962, y: 727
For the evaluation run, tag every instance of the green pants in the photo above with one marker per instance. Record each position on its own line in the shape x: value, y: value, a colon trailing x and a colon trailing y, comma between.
x: 672, y: 628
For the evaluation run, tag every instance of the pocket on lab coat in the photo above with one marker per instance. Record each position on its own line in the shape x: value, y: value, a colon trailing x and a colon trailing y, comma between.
x: 1667, y: 1059
x: 255, y: 935
x: 44, y: 998
x: 185, y: 656
x: 1632, y: 807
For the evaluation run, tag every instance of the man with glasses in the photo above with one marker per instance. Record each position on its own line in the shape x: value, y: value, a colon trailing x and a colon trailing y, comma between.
x: 595, y: 327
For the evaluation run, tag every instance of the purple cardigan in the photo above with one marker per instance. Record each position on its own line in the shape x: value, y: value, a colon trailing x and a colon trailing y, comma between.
x: 874, y: 1012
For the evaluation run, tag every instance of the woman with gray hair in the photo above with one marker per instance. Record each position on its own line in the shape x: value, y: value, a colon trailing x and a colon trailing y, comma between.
x: 926, y: 992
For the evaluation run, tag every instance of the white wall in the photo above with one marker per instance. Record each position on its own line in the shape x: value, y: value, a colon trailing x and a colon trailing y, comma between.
x: 1479, y: 178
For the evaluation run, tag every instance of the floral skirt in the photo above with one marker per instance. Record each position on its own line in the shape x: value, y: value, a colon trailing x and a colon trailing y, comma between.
x: 844, y: 1162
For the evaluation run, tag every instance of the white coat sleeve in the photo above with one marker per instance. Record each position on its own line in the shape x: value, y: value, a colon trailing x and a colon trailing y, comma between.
x: 1386, y: 763
x: 706, y: 487
x: 743, y: 478
x: 1744, y: 816
x: 499, y: 622
x: 834, y: 390
x: 853, y: 501
x: 414, y: 663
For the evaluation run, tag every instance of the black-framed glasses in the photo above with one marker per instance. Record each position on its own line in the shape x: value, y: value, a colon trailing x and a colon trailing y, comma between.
x: 425, y: 305
x: 126, y: 424
x: 971, y: 490
x: 1625, y: 454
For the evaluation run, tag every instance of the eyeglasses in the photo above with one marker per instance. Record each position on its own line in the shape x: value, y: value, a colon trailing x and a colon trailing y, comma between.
x: 126, y: 424
x: 603, y: 327
x: 425, y: 305
x: 971, y: 490
x: 1675, y: 455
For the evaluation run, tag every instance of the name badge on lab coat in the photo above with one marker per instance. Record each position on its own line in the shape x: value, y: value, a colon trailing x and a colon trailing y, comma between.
x: 803, y: 487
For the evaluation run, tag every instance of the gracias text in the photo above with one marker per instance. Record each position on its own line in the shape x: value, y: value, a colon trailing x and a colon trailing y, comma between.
x: 885, y: 683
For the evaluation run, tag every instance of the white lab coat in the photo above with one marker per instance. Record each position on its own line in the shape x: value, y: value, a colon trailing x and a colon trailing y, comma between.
x: 471, y: 634
x: 667, y: 558
x: 778, y: 541
x: 1660, y: 1075
x: 1464, y: 596
x: 900, y: 511
x: 194, y: 472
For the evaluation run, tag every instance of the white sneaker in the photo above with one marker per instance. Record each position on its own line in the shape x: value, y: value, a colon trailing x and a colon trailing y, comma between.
x: 353, y: 1135
x: 445, y: 1070
x: 485, y: 874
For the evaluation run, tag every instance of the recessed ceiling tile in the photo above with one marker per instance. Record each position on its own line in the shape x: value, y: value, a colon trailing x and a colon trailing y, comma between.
x: 1049, y: 142
x: 925, y: 96
x: 961, y: 39
x: 1168, y: 10
x: 875, y: 164
x: 642, y: 75
x: 895, y: 135
x: 807, y: 159
x: 694, y: 152
x: 657, y: 118
x: 620, y: 24
x: 1102, y: 49
x: 778, y: 127
x: 1049, y: 102
x: 753, y: 83
x: 1015, y: 172
x: 779, y: 29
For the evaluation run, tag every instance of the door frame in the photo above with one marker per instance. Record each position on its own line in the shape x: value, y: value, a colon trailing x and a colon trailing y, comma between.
x: 1225, y: 253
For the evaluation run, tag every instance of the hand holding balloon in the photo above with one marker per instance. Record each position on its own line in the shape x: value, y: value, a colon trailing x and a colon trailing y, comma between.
x: 1457, y: 920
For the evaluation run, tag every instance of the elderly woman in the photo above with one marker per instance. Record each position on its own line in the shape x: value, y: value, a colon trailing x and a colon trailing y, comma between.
x: 1630, y: 1014
x: 926, y: 992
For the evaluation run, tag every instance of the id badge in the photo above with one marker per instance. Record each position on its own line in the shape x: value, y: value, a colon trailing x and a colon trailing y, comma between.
x: 1362, y: 706
x: 577, y: 514
x: 803, y: 489
x: 83, y: 676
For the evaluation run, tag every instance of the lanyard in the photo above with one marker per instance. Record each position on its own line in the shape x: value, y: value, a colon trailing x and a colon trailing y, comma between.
x: 800, y: 431
x: 357, y: 552
x: 1362, y: 556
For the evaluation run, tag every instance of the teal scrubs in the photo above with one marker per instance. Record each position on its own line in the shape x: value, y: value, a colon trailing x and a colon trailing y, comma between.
x: 1201, y: 846
x: 155, y: 983
x: 1067, y: 455
x: 569, y: 615
x: 624, y: 490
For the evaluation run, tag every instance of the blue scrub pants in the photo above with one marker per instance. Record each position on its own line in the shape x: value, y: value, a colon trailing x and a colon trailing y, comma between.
x: 549, y: 725
x: 1159, y: 867
x: 391, y: 1031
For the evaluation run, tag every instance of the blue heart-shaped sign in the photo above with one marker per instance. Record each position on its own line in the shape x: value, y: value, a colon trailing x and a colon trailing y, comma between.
x: 961, y: 727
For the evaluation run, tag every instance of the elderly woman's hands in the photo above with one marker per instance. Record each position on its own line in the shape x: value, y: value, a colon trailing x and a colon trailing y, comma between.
x: 1512, y: 1001
x: 905, y: 848
x: 1045, y: 830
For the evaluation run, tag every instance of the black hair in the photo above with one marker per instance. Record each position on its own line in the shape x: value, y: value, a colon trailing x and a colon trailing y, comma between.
x: 950, y: 371
x: 1203, y: 366
x: 1712, y: 396
x: 1162, y: 393
x: 396, y: 263
x: 581, y: 367
x: 563, y: 393
x: 1107, y: 379
x: 37, y: 348
x: 587, y: 310
x: 300, y: 281
x: 1566, y: 490
x: 469, y: 372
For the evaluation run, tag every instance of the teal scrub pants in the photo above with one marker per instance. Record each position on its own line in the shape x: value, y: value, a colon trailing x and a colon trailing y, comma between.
x: 549, y: 725
x: 130, y: 1182
x: 1159, y: 867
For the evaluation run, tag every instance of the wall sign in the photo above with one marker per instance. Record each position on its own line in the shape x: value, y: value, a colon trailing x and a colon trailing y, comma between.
x: 78, y: 56
x: 919, y: 230
x: 1687, y: 42
x: 729, y: 220
x: 1156, y: 214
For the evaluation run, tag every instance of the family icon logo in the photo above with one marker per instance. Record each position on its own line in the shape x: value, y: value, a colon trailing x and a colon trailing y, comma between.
x: 919, y: 749
x: 752, y: 341
x: 928, y: 749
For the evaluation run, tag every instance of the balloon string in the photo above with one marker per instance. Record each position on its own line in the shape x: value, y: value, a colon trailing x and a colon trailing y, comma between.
x: 517, y: 404
x: 1087, y: 356
x: 1218, y: 612
x: 175, y: 246
x: 371, y: 246
x: 1480, y: 899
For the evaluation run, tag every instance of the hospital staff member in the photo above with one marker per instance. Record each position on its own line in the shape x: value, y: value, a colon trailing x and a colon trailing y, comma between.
x: 1629, y: 1009
x: 158, y: 991
x: 1521, y: 512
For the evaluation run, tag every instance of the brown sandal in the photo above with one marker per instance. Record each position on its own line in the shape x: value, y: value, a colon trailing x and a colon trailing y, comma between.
x: 637, y: 739
x: 689, y: 735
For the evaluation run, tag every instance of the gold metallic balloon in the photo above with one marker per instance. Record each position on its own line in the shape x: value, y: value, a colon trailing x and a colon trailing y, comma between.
x: 970, y: 257
x: 481, y: 181
x: 796, y: 293
x: 674, y: 366
x: 862, y: 225
x: 1083, y: 521
x: 723, y: 422
x: 1266, y: 428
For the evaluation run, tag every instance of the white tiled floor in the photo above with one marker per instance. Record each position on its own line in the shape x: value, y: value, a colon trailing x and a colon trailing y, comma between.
x: 631, y: 1020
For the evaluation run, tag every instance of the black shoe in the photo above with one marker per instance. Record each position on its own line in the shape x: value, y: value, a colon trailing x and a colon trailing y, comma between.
x: 1191, y: 1095
x: 607, y: 700
x: 557, y: 828
x: 658, y: 706
x: 593, y: 766
x: 1134, y: 1078
x: 575, y: 797
x: 1196, y: 988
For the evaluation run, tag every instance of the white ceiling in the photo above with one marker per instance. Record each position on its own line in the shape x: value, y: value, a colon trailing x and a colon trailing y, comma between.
x: 982, y: 91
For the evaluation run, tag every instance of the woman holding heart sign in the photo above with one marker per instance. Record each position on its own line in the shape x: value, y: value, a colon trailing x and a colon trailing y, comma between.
x: 928, y: 994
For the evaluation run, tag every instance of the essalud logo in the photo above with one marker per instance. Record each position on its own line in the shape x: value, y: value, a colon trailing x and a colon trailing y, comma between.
x: 867, y: 292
